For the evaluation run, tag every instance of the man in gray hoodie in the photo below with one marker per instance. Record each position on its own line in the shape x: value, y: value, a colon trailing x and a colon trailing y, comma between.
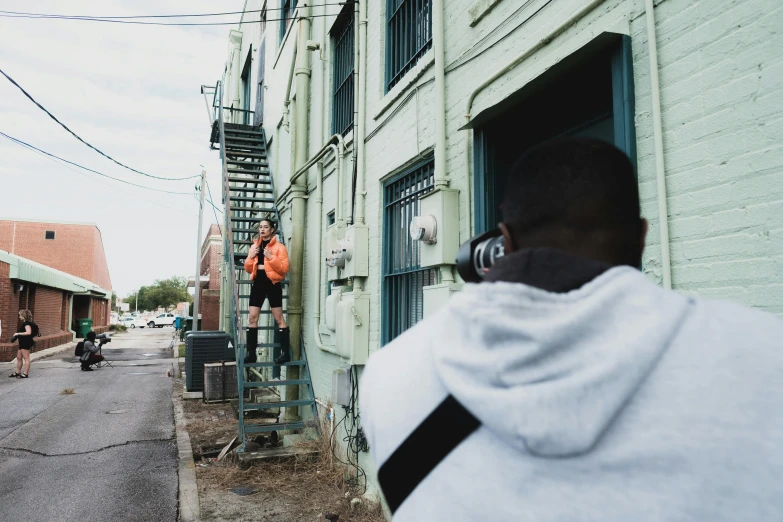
x: 568, y: 386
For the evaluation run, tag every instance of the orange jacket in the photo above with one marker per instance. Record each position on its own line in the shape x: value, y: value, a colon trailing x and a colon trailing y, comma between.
x: 276, y: 268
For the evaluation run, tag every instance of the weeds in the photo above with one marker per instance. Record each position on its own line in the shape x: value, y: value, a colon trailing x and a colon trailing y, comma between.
x: 68, y: 391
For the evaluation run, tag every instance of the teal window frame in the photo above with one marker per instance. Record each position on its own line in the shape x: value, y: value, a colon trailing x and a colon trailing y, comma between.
x: 408, y: 36
x: 403, y: 278
x: 342, y: 35
x: 287, y: 8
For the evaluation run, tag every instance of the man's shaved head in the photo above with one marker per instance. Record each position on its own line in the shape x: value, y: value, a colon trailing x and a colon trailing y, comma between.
x: 578, y: 195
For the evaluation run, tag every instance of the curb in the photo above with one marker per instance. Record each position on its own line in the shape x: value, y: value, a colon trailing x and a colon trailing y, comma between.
x: 69, y: 346
x: 189, y: 509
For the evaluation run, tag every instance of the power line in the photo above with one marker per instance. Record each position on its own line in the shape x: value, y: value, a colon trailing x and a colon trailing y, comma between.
x: 31, y: 147
x: 92, y: 178
x: 49, y: 15
x: 214, y: 208
x: 80, y: 139
x: 179, y: 24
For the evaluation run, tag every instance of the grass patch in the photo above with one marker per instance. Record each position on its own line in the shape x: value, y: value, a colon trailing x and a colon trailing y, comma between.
x: 182, y: 349
x: 68, y: 391
x: 118, y: 328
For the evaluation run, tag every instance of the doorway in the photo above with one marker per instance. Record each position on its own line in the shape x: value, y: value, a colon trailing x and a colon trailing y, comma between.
x: 589, y: 94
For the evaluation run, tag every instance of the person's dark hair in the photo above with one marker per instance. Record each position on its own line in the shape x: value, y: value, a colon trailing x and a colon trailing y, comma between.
x: 578, y: 195
x: 271, y: 222
x: 91, y: 336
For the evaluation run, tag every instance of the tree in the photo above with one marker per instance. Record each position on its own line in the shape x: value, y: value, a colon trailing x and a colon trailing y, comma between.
x: 164, y: 293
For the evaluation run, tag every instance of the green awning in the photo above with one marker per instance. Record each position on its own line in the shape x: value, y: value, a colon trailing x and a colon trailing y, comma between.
x: 31, y: 272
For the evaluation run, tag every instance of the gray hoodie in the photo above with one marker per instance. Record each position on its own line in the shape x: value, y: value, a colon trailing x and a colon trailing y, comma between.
x: 619, y: 401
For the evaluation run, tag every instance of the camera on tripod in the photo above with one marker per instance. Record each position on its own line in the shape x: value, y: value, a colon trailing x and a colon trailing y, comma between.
x: 103, y: 338
x: 477, y: 255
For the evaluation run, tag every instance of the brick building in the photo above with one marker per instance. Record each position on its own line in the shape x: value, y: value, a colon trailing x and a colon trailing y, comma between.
x: 209, y: 298
x: 54, y: 298
x: 59, y: 272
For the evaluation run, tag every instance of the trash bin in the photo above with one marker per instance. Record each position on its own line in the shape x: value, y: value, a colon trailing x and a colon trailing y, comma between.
x: 188, y: 327
x: 84, y: 326
x: 178, y: 322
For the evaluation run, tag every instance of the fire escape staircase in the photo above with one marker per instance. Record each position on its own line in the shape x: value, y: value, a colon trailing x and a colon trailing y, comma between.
x: 249, y: 192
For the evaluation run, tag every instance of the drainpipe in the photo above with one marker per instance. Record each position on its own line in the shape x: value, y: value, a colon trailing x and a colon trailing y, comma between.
x: 441, y: 180
x: 235, y: 38
x: 360, y: 83
x: 298, y: 195
x: 288, y: 86
x: 660, y: 172
x: 573, y: 19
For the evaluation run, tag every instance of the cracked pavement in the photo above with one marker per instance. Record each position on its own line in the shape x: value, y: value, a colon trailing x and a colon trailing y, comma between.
x: 108, y: 452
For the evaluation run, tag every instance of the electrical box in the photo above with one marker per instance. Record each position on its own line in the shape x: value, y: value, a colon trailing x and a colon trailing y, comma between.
x: 437, y: 296
x: 355, y: 251
x: 341, y: 386
x: 353, y: 328
x: 443, y: 207
x: 330, y: 308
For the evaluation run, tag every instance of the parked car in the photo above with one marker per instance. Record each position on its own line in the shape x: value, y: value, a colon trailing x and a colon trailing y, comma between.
x: 161, y: 321
x: 132, y: 322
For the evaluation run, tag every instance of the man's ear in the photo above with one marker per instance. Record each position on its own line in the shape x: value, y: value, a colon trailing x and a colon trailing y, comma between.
x: 508, y: 239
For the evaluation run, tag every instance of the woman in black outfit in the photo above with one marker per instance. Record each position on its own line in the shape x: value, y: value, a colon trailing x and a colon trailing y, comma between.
x: 26, y: 337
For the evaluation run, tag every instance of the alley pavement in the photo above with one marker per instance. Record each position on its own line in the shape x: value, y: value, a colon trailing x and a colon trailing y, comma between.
x: 107, y: 452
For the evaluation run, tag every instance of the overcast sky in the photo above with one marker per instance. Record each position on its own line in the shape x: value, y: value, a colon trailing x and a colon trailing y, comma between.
x: 133, y: 92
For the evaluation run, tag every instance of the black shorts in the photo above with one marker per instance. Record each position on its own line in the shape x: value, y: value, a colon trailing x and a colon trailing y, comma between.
x: 264, y: 288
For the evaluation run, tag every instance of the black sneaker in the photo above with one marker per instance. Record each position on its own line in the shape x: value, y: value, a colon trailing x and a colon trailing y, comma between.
x: 87, y: 369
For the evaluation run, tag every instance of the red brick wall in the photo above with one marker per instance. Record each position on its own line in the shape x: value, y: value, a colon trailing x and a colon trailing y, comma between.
x: 100, y: 313
x: 48, y: 310
x: 100, y: 267
x: 75, y: 249
x: 210, y: 309
x: 9, y: 304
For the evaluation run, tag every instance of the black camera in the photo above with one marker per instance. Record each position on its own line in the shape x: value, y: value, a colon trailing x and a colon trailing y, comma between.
x: 477, y: 255
x: 103, y: 338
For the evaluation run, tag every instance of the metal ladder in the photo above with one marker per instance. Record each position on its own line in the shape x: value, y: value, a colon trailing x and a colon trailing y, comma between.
x: 249, y: 192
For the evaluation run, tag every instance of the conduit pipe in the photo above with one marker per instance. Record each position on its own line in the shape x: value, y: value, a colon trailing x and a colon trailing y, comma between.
x: 660, y: 171
x: 439, y: 47
x: 298, y: 194
x: 235, y: 37
x: 335, y: 144
x: 360, y: 82
x: 513, y: 64
x: 288, y: 86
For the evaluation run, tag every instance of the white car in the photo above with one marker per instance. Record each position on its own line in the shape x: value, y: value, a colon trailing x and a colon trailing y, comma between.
x: 132, y: 322
x: 161, y: 321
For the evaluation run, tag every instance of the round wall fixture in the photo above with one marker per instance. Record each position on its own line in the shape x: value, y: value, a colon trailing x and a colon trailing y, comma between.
x: 424, y: 228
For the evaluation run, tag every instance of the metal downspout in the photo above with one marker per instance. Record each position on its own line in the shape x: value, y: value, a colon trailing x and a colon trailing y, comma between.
x: 235, y: 37
x: 298, y: 195
x: 660, y: 172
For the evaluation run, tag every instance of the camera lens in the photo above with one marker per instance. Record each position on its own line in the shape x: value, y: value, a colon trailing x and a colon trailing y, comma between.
x: 487, y: 253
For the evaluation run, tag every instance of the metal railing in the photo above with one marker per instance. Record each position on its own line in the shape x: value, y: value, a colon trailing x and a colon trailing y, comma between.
x: 234, y: 324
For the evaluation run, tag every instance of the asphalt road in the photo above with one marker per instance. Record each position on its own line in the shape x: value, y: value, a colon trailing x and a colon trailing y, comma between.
x: 105, y: 453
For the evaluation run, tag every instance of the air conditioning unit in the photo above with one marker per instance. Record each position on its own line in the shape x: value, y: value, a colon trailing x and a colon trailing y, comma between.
x: 220, y: 381
x: 202, y: 348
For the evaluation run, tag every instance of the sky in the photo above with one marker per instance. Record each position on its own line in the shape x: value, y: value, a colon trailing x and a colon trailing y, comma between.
x: 131, y: 91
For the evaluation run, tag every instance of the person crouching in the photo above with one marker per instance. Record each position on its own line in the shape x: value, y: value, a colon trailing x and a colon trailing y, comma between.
x: 90, y: 355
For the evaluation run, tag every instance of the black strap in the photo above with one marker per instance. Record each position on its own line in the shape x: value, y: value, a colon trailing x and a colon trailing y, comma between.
x: 443, y: 430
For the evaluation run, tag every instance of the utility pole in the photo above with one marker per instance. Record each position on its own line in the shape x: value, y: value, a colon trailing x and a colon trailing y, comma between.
x: 197, y: 285
x: 137, y: 300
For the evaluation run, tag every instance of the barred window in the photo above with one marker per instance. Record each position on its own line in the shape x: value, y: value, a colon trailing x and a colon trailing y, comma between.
x: 287, y: 8
x: 342, y: 78
x: 403, y: 278
x: 408, y: 36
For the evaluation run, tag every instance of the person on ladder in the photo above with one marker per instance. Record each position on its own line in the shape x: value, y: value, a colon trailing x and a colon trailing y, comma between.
x: 267, y: 264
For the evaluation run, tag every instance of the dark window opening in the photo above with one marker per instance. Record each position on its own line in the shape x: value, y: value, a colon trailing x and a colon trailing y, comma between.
x: 49, y: 234
x: 590, y: 94
x: 343, y: 68
x: 403, y: 277
x: 408, y: 36
x: 330, y: 218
